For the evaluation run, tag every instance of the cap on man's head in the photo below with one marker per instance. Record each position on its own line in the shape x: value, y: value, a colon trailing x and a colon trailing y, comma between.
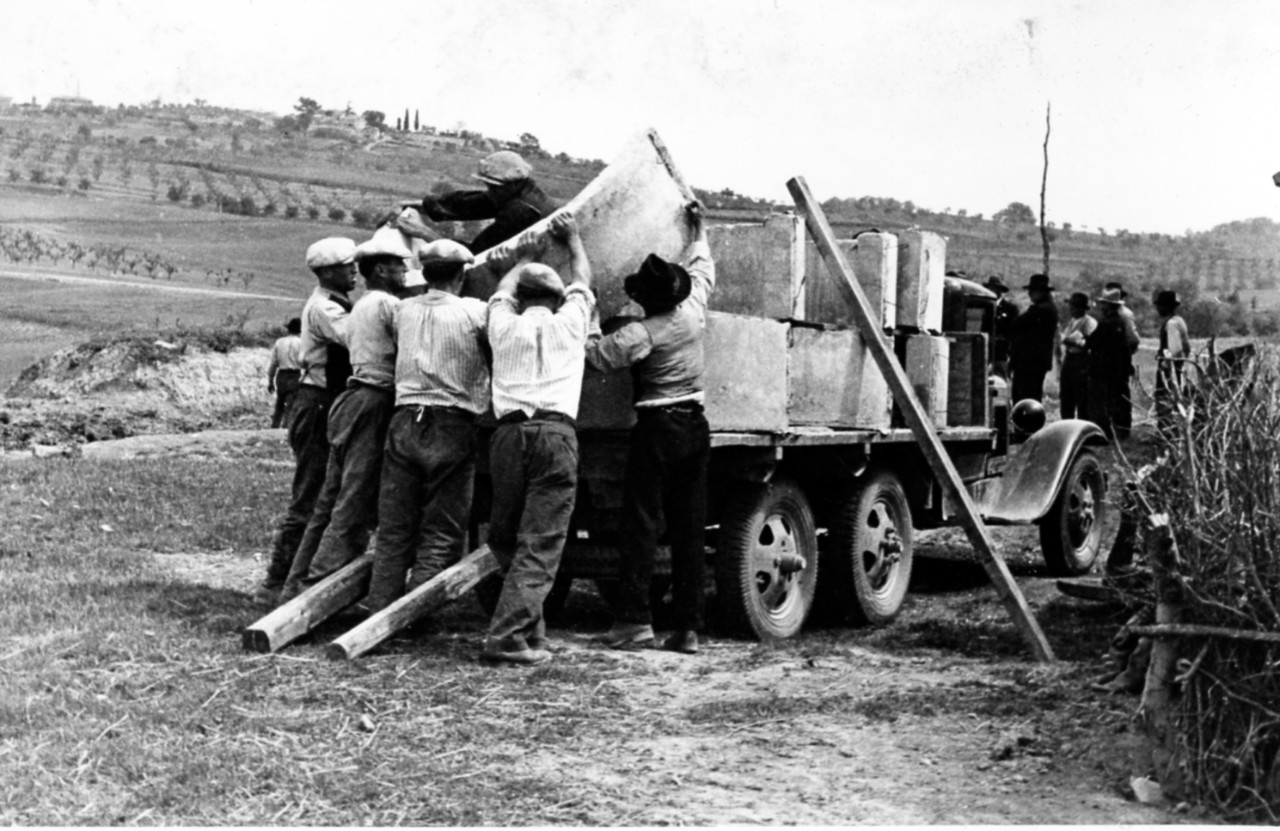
x: 445, y: 251
x: 385, y: 242
x: 1039, y: 281
x: 1112, y: 297
x: 1079, y: 300
x: 503, y: 167
x: 536, y: 280
x: 1167, y: 299
x: 331, y: 251
x: 658, y: 284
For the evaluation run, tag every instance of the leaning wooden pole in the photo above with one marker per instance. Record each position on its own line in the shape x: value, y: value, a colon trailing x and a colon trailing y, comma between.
x: 919, y: 422
x: 311, y: 608
x: 445, y: 587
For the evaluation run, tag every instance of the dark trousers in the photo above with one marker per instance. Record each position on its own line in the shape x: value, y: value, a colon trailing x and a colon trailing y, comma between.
x: 1109, y: 405
x: 287, y: 382
x: 424, y: 504
x: 308, y: 437
x: 666, y: 478
x: 1073, y: 386
x: 1028, y: 382
x: 346, y: 510
x: 534, y: 466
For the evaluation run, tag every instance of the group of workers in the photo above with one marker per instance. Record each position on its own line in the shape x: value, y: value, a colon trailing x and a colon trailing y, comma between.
x: 1094, y: 352
x: 391, y: 391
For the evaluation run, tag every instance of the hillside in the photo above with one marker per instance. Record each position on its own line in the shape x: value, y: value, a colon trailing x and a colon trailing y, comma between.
x: 226, y: 198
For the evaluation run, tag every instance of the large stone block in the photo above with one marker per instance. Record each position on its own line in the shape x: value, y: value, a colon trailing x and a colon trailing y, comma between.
x: 925, y: 359
x: 874, y: 257
x: 834, y: 381
x: 922, y: 265
x: 746, y: 379
x: 754, y: 267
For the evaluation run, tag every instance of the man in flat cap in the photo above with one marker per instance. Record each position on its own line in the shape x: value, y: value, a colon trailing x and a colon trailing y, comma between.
x: 538, y: 332
x: 1073, y: 371
x: 284, y: 370
x: 1031, y: 342
x: 1111, y: 346
x: 325, y: 365
x: 346, y: 512
x: 1005, y: 312
x: 429, y: 462
x: 511, y: 198
x: 1174, y: 350
x: 666, y: 475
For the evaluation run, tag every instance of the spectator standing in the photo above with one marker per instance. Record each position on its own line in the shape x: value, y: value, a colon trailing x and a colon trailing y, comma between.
x: 1005, y: 312
x: 325, y: 366
x: 538, y: 333
x: 284, y: 370
x: 1123, y: 415
x: 346, y: 511
x: 666, y: 473
x: 1032, y: 341
x: 1174, y: 350
x: 1073, y: 372
x: 1111, y: 346
x: 429, y: 464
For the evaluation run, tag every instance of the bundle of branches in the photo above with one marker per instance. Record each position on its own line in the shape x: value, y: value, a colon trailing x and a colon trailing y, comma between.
x: 1219, y: 482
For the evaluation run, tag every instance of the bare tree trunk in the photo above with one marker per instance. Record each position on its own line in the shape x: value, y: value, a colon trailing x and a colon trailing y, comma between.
x: 1044, y: 180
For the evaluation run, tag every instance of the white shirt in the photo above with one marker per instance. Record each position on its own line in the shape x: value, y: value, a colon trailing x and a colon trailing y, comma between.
x: 324, y: 322
x: 442, y: 360
x: 372, y: 339
x: 285, y: 354
x: 539, y: 356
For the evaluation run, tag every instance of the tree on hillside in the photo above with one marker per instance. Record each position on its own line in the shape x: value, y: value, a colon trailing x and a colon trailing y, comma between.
x: 1017, y: 213
x: 375, y: 118
x: 406, y: 119
x: 306, y: 108
x: 415, y: 121
x: 530, y: 141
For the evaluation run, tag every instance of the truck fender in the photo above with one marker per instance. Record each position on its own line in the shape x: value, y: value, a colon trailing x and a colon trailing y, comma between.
x: 1033, y: 477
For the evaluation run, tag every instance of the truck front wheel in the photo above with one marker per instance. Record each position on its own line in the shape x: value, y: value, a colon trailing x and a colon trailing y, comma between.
x: 1071, y: 533
x: 870, y: 549
x: 766, y: 560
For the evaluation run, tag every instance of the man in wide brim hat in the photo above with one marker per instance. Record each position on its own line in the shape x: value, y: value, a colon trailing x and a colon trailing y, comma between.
x: 658, y: 285
x: 1034, y: 334
x: 1038, y: 282
x: 996, y: 285
x: 1166, y: 299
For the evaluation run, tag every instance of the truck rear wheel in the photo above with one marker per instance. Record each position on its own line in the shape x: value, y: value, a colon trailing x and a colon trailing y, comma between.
x: 766, y: 560
x: 871, y: 549
x: 1071, y: 533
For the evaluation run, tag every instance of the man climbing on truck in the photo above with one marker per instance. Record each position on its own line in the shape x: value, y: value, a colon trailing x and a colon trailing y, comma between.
x: 666, y: 474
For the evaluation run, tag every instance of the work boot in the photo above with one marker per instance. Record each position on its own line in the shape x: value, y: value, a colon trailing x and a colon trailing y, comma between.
x: 627, y: 636
x: 496, y: 653
x: 268, y: 594
x: 682, y: 640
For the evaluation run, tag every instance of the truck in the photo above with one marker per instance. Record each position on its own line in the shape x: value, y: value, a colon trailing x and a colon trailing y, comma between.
x: 816, y: 487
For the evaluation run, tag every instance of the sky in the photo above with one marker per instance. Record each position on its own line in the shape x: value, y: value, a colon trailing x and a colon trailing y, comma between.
x: 1159, y: 120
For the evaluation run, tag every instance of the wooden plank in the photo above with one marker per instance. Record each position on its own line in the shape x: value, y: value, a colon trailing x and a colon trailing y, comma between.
x: 311, y: 608
x: 445, y: 587
x: 921, y: 425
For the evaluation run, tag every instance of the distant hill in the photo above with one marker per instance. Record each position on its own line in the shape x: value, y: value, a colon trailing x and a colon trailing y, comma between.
x: 342, y: 171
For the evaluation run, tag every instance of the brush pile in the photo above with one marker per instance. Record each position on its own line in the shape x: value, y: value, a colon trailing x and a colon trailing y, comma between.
x: 1212, y: 697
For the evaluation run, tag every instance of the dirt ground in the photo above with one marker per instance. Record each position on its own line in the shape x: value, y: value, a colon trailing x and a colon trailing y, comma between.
x: 938, y: 718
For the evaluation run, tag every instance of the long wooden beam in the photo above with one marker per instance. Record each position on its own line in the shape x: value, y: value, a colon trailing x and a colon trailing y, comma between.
x: 447, y: 586
x: 919, y: 422
x: 311, y: 608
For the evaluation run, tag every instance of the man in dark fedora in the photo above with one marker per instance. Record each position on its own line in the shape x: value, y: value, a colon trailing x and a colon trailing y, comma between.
x: 1005, y: 312
x: 1073, y: 372
x: 1175, y: 349
x: 1111, y: 346
x: 1123, y: 415
x: 666, y: 475
x: 1032, y: 341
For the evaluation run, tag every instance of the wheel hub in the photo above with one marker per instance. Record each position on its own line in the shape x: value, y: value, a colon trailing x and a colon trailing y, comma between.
x: 884, y: 546
x: 777, y: 563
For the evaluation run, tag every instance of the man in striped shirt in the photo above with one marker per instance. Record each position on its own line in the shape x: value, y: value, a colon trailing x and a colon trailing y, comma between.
x: 538, y: 333
x: 429, y: 463
x: 325, y: 365
x: 666, y: 476
x: 346, y: 511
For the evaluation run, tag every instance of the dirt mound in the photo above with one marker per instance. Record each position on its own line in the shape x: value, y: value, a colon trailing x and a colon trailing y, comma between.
x: 131, y: 385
